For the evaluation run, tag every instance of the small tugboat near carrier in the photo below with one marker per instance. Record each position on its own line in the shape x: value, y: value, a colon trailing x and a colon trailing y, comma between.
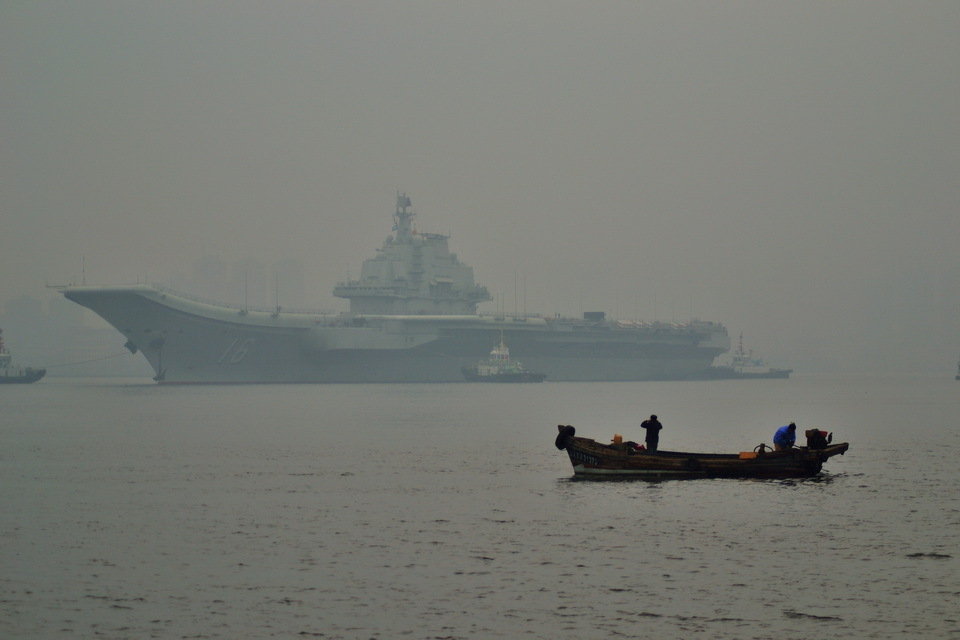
x: 500, y: 368
x: 743, y: 365
x: 12, y: 374
x: 592, y: 459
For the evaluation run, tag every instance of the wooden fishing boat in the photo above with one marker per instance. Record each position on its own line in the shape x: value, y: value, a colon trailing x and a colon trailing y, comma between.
x: 592, y: 459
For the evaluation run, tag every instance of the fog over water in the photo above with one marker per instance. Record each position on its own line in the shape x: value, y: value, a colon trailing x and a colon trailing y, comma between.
x: 788, y: 169
x: 346, y: 512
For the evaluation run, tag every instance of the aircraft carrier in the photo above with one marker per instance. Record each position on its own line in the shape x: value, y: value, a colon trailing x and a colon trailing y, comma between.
x: 413, y: 318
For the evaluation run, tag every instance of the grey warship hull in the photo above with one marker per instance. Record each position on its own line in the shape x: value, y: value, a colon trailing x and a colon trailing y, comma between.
x: 413, y: 318
x: 187, y: 341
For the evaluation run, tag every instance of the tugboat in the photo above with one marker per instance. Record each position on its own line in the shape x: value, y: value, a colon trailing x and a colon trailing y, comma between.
x: 10, y: 374
x: 500, y: 368
x: 743, y: 365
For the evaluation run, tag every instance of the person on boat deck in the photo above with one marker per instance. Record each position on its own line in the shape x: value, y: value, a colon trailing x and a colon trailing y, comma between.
x: 785, y: 437
x: 818, y: 438
x: 652, y: 427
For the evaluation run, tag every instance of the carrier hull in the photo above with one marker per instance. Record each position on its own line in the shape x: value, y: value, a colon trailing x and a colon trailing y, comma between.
x: 187, y: 341
x: 413, y: 318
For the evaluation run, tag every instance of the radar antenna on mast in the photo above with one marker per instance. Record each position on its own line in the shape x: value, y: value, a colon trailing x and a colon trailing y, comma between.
x: 402, y: 217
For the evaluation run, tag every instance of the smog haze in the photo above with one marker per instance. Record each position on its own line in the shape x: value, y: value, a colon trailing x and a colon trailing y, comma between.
x: 787, y: 169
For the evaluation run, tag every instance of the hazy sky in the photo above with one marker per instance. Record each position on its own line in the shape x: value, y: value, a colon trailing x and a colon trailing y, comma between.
x: 791, y: 169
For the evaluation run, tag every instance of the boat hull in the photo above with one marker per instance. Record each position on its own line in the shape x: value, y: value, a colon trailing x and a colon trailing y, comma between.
x: 191, y: 342
x: 591, y: 459
x: 28, y: 376
x: 730, y: 373
x: 471, y: 375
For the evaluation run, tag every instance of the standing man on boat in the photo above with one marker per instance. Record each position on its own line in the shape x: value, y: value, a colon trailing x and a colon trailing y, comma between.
x: 785, y: 437
x: 652, y: 427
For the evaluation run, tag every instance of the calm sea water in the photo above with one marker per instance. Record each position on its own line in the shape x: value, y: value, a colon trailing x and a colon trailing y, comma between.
x: 444, y: 512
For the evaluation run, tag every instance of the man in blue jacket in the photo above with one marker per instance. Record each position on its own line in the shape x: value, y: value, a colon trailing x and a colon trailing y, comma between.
x: 785, y: 437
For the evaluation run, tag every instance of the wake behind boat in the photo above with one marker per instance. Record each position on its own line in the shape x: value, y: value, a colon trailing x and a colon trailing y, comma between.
x: 592, y: 459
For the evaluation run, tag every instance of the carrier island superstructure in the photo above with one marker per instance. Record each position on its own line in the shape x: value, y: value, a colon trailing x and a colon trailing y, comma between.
x: 413, y: 318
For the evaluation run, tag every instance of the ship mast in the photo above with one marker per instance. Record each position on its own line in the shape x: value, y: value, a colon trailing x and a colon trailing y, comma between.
x: 403, y: 218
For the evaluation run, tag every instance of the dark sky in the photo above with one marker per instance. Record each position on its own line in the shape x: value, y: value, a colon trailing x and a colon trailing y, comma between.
x: 787, y: 168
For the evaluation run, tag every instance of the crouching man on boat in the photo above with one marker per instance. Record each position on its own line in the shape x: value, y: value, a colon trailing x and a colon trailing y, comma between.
x: 784, y: 438
x: 652, y: 427
x: 818, y: 438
